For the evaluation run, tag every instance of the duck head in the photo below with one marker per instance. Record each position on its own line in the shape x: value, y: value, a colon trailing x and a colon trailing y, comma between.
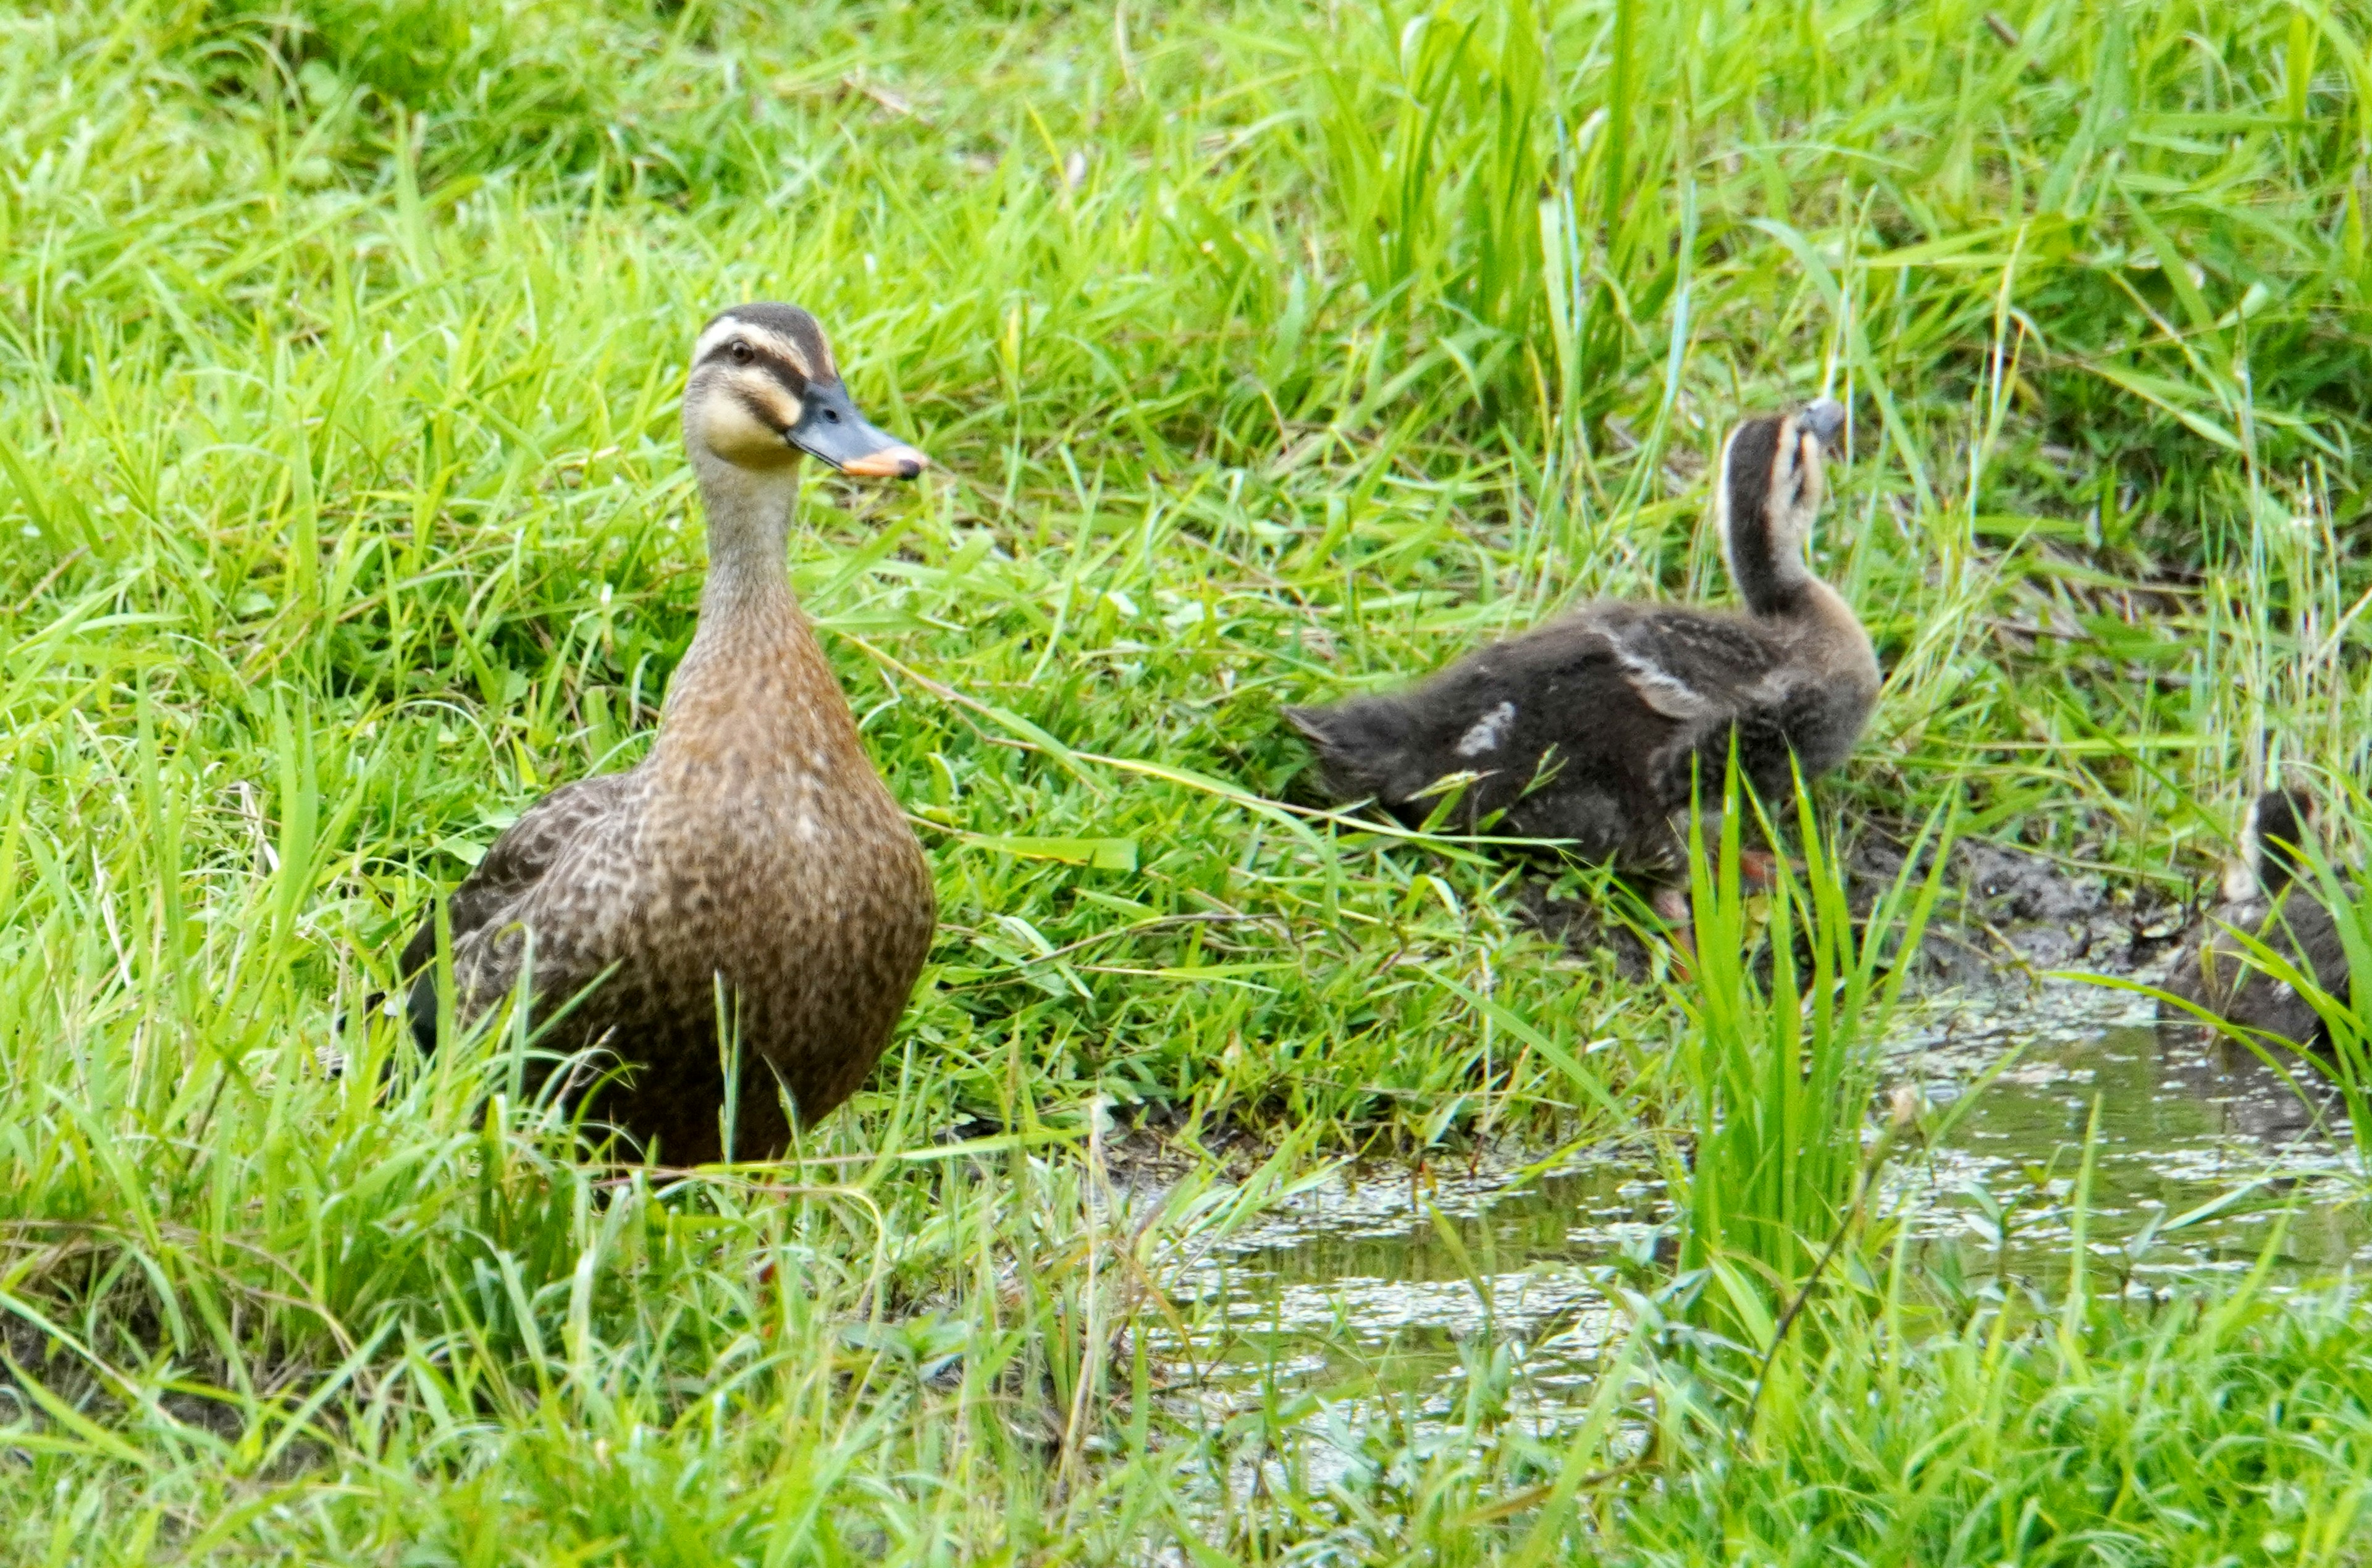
x: 1770, y: 490
x: 2273, y: 843
x: 765, y: 391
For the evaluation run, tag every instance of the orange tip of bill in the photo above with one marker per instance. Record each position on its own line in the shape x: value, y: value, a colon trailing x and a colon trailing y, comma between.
x: 891, y: 462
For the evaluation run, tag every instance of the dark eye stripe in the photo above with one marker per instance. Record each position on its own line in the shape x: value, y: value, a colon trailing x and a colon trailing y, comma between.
x: 785, y: 372
x: 811, y: 345
x: 758, y: 410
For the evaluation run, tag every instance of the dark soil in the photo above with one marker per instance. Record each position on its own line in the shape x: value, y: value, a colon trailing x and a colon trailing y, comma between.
x: 2003, y: 911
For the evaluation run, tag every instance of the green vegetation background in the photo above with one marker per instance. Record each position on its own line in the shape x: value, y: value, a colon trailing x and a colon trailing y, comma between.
x: 1269, y: 351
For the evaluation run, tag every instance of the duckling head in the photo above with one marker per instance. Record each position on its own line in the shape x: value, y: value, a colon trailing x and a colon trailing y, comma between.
x: 2273, y: 843
x: 765, y: 391
x: 1770, y: 492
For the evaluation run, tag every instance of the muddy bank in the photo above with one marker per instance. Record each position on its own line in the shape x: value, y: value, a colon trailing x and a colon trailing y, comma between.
x: 2011, y: 910
x: 2005, y: 912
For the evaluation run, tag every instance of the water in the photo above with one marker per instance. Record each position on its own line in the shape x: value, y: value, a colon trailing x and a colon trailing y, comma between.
x: 2183, y: 1121
x: 1368, y: 1288
x: 1390, y: 1291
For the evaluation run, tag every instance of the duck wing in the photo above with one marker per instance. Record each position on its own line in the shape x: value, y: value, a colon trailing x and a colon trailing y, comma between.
x: 517, y: 861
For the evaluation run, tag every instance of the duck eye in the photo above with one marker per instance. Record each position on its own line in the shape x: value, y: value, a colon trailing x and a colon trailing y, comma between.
x: 831, y: 415
x: 742, y: 354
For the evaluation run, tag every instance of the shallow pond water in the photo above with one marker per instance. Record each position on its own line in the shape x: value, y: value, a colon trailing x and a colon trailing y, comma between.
x: 1390, y: 1291
x: 2183, y: 1121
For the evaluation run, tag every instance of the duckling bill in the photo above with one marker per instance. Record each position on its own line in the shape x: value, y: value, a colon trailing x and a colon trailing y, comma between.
x: 752, y: 875
x: 1594, y: 728
x: 2269, y: 896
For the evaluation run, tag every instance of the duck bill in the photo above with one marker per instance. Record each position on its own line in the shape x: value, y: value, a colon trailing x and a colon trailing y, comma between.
x: 1825, y: 418
x: 831, y: 428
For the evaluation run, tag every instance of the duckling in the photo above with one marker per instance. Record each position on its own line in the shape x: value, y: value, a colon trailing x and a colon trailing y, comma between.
x: 2266, y: 896
x: 1591, y: 729
x: 753, y: 873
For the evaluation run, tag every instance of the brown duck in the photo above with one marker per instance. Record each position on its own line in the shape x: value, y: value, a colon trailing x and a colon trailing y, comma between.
x: 2270, y: 895
x: 1594, y: 729
x: 753, y: 873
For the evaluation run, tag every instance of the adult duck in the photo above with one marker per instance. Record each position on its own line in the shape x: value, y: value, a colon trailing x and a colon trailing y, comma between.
x: 1596, y: 729
x: 751, y: 879
x: 2271, y: 896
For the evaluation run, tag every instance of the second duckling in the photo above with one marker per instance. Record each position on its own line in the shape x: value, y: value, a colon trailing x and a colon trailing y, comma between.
x: 2269, y: 894
x: 1595, y: 728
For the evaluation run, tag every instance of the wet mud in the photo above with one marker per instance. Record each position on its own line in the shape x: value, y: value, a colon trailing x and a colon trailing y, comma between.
x: 2005, y: 911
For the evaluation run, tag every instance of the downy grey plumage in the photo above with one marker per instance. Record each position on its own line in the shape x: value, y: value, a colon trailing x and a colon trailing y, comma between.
x: 2270, y: 894
x: 1593, y: 729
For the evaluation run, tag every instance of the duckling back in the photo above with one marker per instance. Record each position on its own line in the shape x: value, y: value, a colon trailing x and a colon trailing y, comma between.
x: 2271, y: 899
x: 1542, y: 735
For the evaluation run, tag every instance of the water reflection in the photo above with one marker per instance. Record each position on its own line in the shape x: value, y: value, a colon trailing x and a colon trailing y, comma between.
x: 1368, y: 1286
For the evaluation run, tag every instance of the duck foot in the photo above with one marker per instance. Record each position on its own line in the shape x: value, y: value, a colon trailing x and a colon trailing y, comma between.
x: 1758, y: 869
x: 1671, y: 905
x: 1683, y: 938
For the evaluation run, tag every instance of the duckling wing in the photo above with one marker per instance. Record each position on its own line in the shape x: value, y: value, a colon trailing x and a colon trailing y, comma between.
x: 518, y: 859
x: 2319, y: 943
x: 2307, y: 933
x: 1793, y: 719
x: 2217, y: 968
x: 1687, y: 665
x: 1726, y: 681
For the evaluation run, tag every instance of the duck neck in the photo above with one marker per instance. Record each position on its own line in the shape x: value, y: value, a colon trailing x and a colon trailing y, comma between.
x: 749, y: 540
x: 749, y: 617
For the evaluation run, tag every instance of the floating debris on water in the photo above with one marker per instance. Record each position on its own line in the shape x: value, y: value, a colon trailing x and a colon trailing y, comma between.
x: 1369, y: 1292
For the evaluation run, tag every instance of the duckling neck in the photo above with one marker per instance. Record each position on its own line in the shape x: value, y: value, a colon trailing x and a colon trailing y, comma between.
x: 1777, y: 586
x: 1772, y: 582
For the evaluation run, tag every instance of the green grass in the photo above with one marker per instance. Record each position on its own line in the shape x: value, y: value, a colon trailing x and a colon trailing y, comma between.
x: 1781, y: 1074
x: 1268, y: 353
x: 2197, y: 1431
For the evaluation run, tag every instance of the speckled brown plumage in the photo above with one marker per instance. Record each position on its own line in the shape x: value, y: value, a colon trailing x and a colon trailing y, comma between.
x: 1593, y: 729
x: 753, y: 871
